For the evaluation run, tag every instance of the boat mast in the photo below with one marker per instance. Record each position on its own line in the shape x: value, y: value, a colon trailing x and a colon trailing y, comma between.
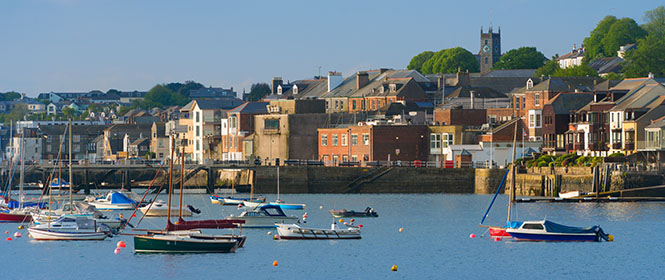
x: 511, y: 198
x: 182, y: 175
x: 168, y: 211
x: 277, y: 182
x: 11, y: 159
x: 20, y: 189
x: 71, y: 177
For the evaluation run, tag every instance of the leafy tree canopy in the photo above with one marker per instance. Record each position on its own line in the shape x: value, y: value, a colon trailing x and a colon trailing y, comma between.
x: 649, y: 57
x: 450, y: 61
x: 161, y: 96
x: 183, y: 89
x: 522, y: 58
x: 113, y: 91
x: 655, y: 22
x: 583, y: 70
x: 258, y: 91
x: 12, y: 95
x: 548, y: 69
x: 417, y: 61
x: 624, y: 31
x: 593, y: 44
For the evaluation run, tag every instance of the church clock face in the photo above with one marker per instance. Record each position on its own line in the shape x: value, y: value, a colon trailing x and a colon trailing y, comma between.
x: 486, y: 49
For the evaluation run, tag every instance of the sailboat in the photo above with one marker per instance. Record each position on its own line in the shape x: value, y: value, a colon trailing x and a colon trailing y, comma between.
x: 19, y: 214
x: 181, y: 237
x: 70, y: 227
x: 500, y: 231
x: 233, y: 200
x: 278, y: 202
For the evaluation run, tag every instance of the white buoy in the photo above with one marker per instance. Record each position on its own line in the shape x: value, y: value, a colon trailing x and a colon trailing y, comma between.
x: 17, y: 234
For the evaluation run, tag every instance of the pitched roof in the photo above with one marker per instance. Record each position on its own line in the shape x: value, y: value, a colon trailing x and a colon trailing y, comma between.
x: 563, y: 103
x: 348, y: 85
x: 510, y: 73
x: 480, y: 92
x: 224, y: 104
x: 606, y: 65
x: 640, y: 97
x: 139, y: 141
x: 563, y: 84
x: 573, y: 54
x: 251, y: 108
x: 606, y: 85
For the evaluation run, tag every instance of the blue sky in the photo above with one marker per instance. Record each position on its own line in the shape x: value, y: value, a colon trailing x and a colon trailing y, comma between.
x: 72, y: 45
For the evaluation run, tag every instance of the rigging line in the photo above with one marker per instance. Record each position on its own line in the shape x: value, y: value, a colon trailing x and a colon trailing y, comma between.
x: 50, y: 177
x: 153, y: 200
x: 143, y: 198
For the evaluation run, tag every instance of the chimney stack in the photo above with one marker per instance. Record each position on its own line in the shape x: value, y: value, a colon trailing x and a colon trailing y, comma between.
x: 334, y: 80
x: 276, y: 81
x: 651, y: 75
x: 362, y: 79
x: 471, y: 94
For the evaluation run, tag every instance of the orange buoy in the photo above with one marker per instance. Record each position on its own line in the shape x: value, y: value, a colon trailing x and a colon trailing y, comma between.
x: 341, y: 221
x: 401, y: 229
x: 472, y: 235
x: 274, y: 263
x: 21, y: 227
x: 121, y: 244
x: 394, y: 268
x: 121, y: 216
x: 353, y: 220
x: 9, y: 239
x: 360, y: 225
x: 275, y: 237
x: 6, y: 231
x: 497, y: 238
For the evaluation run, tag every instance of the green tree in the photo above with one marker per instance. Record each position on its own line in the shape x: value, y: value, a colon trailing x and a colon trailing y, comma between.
x: 122, y: 110
x: 68, y: 112
x: 593, y: 44
x: 450, y: 61
x: 188, y: 86
x: 258, y: 91
x: 12, y: 95
x: 655, y: 22
x: 649, y: 57
x: 417, y: 61
x: 161, y: 96
x: 113, y: 91
x: 583, y: 70
x: 548, y: 69
x: 614, y: 76
x: 19, y: 112
x: 624, y: 31
x: 522, y: 58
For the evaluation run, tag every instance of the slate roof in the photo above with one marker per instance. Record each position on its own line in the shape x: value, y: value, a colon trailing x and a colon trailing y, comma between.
x: 563, y: 84
x: 161, y: 129
x: 606, y: 85
x: 659, y: 123
x: 606, y: 65
x: 510, y: 73
x: 348, y: 85
x: 640, y: 97
x: 563, y: 103
x: 140, y: 141
x: 573, y: 54
x: 211, y: 104
x: 480, y: 92
x: 251, y: 108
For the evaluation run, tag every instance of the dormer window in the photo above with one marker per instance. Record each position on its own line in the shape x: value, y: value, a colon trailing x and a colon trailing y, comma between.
x: 529, y: 84
x: 295, y: 89
x: 279, y: 90
x: 381, y: 89
x: 393, y: 87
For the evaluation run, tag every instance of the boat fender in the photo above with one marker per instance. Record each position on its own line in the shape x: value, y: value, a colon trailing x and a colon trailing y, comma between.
x: 194, y: 210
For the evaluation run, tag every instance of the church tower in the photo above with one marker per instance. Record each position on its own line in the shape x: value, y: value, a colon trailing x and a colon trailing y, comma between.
x: 490, y: 49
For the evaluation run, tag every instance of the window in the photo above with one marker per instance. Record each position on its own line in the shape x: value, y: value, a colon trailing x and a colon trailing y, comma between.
x: 344, y: 140
x: 517, y: 103
x: 271, y: 124
x: 366, y: 139
x: 447, y: 139
x: 523, y: 102
x: 324, y: 140
x: 536, y: 99
x: 435, y: 141
x: 197, y: 145
x: 353, y: 104
x: 535, y: 118
x: 354, y: 139
x: 365, y: 157
x: 197, y: 116
x: 334, y: 139
x: 345, y: 158
x: 354, y: 158
x: 538, y: 121
x: 486, y: 60
x: 76, y: 138
x: 532, y: 226
x: 198, y: 132
x: 76, y: 148
x: 335, y: 159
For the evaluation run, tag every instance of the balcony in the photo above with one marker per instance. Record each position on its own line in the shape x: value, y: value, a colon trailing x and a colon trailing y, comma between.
x: 268, y: 131
x: 616, y: 146
x: 629, y: 146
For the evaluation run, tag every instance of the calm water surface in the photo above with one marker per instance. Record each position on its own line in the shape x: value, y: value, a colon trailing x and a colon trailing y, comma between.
x: 435, y: 244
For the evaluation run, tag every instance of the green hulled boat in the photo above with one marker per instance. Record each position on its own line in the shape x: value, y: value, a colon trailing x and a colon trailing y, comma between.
x: 173, y: 243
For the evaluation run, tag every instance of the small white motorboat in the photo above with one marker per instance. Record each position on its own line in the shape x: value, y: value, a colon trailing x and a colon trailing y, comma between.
x: 293, y: 231
x: 160, y: 208
x: 265, y: 216
x: 114, y: 201
x: 70, y: 228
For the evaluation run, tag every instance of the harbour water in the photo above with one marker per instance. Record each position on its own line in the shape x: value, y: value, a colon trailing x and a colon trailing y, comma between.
x: 434, y: 244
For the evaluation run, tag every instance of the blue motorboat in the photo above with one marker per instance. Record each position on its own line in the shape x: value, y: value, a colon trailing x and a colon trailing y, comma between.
x: 549, y: 231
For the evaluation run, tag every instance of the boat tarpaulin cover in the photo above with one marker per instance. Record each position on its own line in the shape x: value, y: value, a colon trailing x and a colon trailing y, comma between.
x: 120, y: 198
x: 513, y: 224
x: 554, y: 227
